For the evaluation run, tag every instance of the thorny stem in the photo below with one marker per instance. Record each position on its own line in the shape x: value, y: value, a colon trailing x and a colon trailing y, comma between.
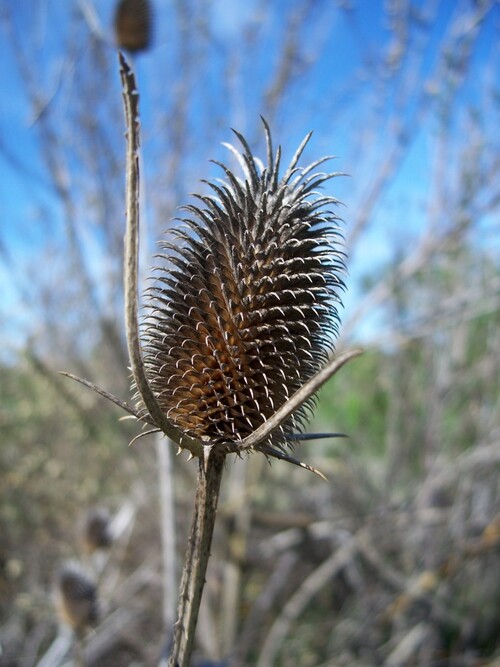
x: 198, y: 553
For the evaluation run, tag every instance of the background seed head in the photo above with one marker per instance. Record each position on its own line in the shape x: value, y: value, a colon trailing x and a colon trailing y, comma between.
x: 133, y: 25
x: 244, y: 309
x: 77, y: 600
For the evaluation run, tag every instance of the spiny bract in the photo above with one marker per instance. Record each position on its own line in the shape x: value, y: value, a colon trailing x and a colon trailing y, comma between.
x: 245, y: 307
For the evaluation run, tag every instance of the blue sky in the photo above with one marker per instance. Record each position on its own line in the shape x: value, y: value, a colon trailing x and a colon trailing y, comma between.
x: 332, y: 98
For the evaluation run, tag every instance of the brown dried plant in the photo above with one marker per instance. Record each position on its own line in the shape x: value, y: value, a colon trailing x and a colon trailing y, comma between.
x: 240, y: 328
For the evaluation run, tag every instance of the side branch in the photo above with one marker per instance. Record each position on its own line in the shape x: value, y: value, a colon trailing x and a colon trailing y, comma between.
x: 131, y: 104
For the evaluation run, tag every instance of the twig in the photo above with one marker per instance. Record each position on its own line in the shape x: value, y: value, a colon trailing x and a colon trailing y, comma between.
x: 122, y: 621
x: 44, y: 371
x: 262, y: 605
x: 92, y: 20
x: 294, y: 607
x: 58, y: 650
x: 408, y: 645
x: 105, y: 394
x: 485, y: 456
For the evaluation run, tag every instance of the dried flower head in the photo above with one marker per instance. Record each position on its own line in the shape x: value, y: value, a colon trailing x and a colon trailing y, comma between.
x: 96, y: 532
x: 133, y: 19
x: 77, y: 600
x: 244, y: 310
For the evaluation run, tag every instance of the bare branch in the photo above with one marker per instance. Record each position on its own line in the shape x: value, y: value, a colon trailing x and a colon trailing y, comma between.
x: 294, y: 607
x: 105, y: 394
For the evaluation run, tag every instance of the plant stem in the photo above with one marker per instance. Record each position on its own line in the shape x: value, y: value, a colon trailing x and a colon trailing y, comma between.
x: 198, y: 553
x: 164, y: 454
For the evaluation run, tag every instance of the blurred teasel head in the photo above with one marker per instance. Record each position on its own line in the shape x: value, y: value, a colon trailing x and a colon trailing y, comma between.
x: 96, y: 533
x: 133, y: 25
x: 77, y: 600
x: 245, y: 306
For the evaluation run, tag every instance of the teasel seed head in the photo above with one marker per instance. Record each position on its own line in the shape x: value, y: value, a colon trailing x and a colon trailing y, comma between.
x: 245, y: 306
x: 77, y: 599
x: 96, y: 533
x: 133, y: 25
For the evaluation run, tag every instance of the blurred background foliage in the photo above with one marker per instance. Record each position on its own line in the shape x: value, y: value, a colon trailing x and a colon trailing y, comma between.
x: 395, y: 560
